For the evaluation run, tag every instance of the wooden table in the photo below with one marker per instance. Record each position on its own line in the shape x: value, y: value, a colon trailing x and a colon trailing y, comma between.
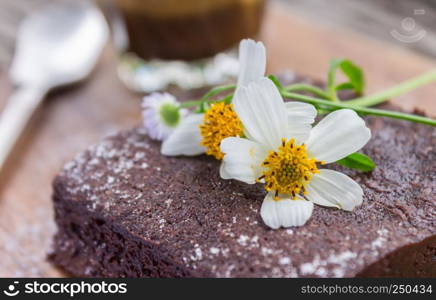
x: 72, y: 119
x: 376, y: 18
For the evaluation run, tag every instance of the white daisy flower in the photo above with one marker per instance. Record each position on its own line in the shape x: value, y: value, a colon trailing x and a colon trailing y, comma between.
x: 161, y: 114
x: 283, y: 152
x: 188, y: 139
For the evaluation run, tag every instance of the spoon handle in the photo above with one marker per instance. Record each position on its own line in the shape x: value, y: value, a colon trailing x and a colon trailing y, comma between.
x: 15, y: 116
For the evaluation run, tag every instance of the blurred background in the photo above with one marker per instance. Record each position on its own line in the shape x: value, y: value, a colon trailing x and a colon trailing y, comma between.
x: 373, y: 18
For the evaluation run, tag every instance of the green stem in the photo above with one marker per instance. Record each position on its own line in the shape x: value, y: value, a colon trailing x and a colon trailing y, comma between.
x: 395, y: 115
x: 333, y: 96
x: 360, y: 105
x: 194, y: 103
x: 190, y: 103
x: 213, y: 92
x: 395, y: 91
x: 331, y: 106
x: 300, y: 87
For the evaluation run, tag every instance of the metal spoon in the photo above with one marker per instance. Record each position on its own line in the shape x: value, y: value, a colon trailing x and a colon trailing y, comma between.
x: 56, y: 46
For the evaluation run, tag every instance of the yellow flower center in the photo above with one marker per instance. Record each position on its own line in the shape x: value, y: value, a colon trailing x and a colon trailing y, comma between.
x: 288, y: 170
x: 220, y: 122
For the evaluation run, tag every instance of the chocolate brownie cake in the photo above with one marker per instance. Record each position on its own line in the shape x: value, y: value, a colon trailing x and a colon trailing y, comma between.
x: 124, y: 210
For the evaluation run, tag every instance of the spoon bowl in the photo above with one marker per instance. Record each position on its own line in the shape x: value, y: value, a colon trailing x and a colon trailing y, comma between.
x: 59, y: 45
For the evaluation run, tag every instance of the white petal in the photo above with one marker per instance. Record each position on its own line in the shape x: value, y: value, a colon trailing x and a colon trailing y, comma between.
x: 252, y: 61
x: 334, y: 189
x: 301, y: 113
x: 242, y: 159
x: 262, y: 112
x: 285, y: 212
x: 300, y: 117
x: 223, y: 172
x: 186, y: 139
x: 339, y: 134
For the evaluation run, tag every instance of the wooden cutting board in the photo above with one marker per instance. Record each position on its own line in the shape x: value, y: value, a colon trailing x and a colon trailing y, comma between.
x: 72, y: 119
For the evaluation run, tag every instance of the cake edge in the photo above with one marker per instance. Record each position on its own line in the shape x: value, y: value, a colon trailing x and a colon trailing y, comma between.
x: 87, y: 244
x: 75, y: 249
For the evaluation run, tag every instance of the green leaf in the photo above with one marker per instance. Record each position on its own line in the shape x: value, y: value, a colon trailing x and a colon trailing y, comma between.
x: 228, y: 99
x: 344, y: 86
x: 276, y: 82
x: 354, y: 74
x: 334, y: 65
x: 357, y: 161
